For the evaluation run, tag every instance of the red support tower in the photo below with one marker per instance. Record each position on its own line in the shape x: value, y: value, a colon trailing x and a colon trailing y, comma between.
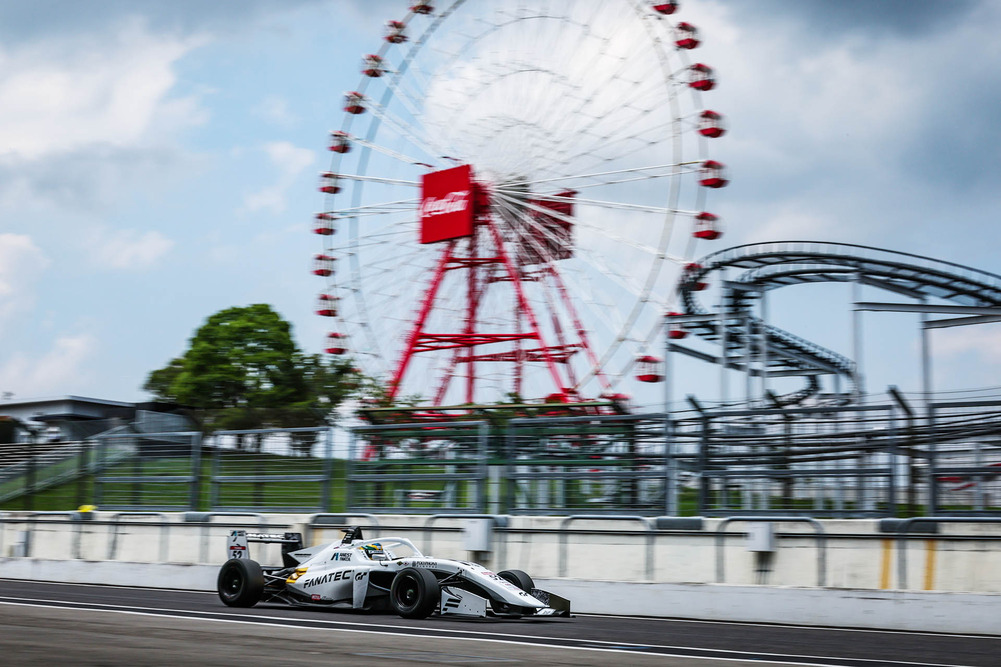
x: 455, y: 213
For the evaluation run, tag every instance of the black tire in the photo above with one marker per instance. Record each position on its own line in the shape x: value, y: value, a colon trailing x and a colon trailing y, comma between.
x: 240, y: 583
x: 519, y: 579
x: 415, y: 593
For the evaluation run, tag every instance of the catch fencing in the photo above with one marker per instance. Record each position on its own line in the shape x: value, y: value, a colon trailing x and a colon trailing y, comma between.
x: 824, y: 461
x: 418, y: 468
x: 586, y: 464
x: 282, y: 470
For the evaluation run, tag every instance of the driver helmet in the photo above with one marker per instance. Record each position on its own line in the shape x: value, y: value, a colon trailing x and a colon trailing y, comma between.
x: 374, y: 551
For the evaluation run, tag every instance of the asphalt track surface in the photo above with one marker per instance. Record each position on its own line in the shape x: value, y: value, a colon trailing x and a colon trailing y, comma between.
x: 45, y: 623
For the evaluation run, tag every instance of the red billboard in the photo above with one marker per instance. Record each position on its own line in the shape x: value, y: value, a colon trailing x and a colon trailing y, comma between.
x: 447, y: 204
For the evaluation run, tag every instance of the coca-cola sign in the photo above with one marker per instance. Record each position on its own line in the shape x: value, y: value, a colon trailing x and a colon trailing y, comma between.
x: 447, y: 204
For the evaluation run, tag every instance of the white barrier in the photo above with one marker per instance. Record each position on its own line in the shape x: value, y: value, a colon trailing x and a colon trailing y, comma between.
x: 970, y: 613
x: 677, y: 572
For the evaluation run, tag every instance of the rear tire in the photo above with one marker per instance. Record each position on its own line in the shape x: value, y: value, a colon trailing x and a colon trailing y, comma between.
x: 415, y: 593
x: 519, y: 579
x: 240, y: 583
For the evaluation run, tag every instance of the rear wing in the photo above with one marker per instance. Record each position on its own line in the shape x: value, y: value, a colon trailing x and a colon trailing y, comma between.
x: 237, y: 544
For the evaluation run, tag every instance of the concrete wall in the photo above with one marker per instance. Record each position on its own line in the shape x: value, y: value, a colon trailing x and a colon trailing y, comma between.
x: 960, y: 558
x: 888, y: 610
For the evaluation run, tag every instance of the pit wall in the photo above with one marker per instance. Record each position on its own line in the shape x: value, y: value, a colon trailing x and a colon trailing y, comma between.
x: 852, y: 554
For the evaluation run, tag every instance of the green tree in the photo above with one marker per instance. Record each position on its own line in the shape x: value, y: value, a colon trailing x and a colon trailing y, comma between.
x: 243, y: 370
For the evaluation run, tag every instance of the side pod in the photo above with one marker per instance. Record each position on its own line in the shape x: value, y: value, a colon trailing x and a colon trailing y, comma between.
x: 457, y: 602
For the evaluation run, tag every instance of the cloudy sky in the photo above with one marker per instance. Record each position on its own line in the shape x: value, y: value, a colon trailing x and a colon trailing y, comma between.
x: 158, y: 163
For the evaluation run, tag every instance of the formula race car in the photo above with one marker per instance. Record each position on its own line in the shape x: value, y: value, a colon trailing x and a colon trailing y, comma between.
x: 388, y: 573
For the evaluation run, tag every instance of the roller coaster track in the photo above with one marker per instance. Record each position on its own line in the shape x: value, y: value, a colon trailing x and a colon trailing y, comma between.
x: 768, y: 266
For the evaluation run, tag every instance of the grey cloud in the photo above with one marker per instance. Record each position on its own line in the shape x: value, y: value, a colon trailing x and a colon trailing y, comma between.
x: 27, y: 21
x: 824, y: 18
x: 89, y: 180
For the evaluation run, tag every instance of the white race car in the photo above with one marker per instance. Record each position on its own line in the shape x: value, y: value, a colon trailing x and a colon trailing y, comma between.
x: 388, y: 573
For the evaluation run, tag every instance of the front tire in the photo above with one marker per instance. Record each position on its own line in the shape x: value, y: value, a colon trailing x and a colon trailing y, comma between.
x: 519, y: 579
x: 415, y: 593
x: 240, y: 583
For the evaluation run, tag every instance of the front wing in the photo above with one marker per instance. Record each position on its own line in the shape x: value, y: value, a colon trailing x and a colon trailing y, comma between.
x: 459, y: 602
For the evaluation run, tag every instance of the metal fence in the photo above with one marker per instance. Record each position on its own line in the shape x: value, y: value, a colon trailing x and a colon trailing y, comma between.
x: 418, y: 468
x: 32, y: 468
x: 823, y: 461
x: 278, y: 469
x: 145, y: 471
x: 590, y: 464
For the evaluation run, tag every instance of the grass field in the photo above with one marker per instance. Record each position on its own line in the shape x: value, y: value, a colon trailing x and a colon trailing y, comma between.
x: 167, y: 482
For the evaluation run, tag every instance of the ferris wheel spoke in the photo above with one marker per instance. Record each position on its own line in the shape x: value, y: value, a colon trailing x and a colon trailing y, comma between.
x: 516, y: 204
x: 401, y: 95
x: 618, y: 172
x: 403, y: 129
x: 396, y: 155
x: 377, y: 179
x: 622, y: 206
x: 396, y: 206
x: 598, y: 262
x: 633, y: 93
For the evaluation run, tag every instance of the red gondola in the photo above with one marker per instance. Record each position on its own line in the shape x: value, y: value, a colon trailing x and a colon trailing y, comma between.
x: 711, y: 124
x: 422, y: 7
x: 707, y: 226
x: 689, y: 277
x: 354, y: 103
x: 713, y: 174
x: 665, y: 8
x: 396, y: 32
x: 330, y: 183
x: 701, y: 77
x: 372, y: 66
x: 323, y: 265
x: 686, y: 36
x: 340, y: 142
x: 649, y: 369
x: 335, y: 343
x: 324, y: 225
x: 676, y: 334
x: 326, y: 305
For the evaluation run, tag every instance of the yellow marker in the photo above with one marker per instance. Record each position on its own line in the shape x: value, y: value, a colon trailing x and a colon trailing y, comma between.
x: 931, y: 548
x: 884, y: 573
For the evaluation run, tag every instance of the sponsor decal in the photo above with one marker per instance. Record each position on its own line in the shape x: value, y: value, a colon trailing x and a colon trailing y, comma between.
x: 339, y: 575
x: 315, y: 597
x: 425, y: 563
x: 341, y: 557
x: 447, y: 204
x: 359, y: 576
x: 453, y: 202
x: 452, y: 602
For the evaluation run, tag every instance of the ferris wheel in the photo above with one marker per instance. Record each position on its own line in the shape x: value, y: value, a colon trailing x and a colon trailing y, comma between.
x: 516, y: 190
